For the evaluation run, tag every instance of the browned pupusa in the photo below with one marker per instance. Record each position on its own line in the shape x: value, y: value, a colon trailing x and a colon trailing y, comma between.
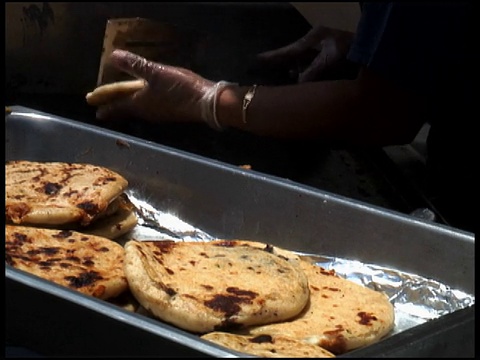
x: 90, y: 264
x: 341, y: 315
x: 277, y: 346
x: 116, y: 224
x: 58, y: 193
x: 206, y: 286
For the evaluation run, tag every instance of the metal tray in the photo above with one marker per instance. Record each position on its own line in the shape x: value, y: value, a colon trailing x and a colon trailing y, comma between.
x: 228, y: 202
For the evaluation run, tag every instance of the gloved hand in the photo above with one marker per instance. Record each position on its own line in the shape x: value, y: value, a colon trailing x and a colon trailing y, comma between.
x: 320, y: 54
x: 169, y: 93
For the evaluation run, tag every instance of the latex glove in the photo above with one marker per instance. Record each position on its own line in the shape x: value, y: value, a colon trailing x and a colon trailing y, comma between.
x: 169, y: 93
x: 320, y: 54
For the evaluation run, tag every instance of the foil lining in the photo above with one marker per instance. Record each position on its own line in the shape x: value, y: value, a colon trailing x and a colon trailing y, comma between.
x: 416, y: 299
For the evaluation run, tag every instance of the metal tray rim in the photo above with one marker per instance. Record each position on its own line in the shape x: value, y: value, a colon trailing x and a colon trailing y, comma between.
x: 121, y: 314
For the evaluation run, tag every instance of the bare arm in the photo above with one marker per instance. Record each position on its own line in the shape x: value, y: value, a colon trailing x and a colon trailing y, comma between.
x: 364, y: 111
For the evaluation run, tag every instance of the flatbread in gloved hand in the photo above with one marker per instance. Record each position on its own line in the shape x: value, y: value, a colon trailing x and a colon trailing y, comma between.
x: 113, y: 91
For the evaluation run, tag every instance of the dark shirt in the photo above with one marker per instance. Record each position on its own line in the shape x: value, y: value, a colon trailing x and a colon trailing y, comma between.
x: 428, y: 49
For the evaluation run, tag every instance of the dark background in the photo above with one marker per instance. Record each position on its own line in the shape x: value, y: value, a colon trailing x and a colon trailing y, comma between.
x: 221, y: 40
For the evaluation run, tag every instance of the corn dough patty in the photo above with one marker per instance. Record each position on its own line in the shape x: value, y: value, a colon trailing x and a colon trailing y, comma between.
x: 341, y: 315
x: 276, y: 346
x: 57, y: 193
x: 206, y: 286
x: 113, y: 91
x: 89, y: 264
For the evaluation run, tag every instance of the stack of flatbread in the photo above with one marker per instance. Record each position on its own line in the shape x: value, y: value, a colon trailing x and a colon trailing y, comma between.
x: 255, y: 298
x: 248, y: 296
x: 61, y: 219
x: 74, y: 196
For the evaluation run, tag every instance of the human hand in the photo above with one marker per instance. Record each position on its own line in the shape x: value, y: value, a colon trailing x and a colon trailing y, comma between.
x: 320, y: 54
x: 169, y: 93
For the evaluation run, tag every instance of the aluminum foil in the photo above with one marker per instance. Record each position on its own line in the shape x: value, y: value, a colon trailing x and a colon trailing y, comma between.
x: 154, y: 224
x: 416, y: 299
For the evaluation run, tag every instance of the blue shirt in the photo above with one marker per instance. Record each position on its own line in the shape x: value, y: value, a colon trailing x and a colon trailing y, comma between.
x: 428, y: 49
